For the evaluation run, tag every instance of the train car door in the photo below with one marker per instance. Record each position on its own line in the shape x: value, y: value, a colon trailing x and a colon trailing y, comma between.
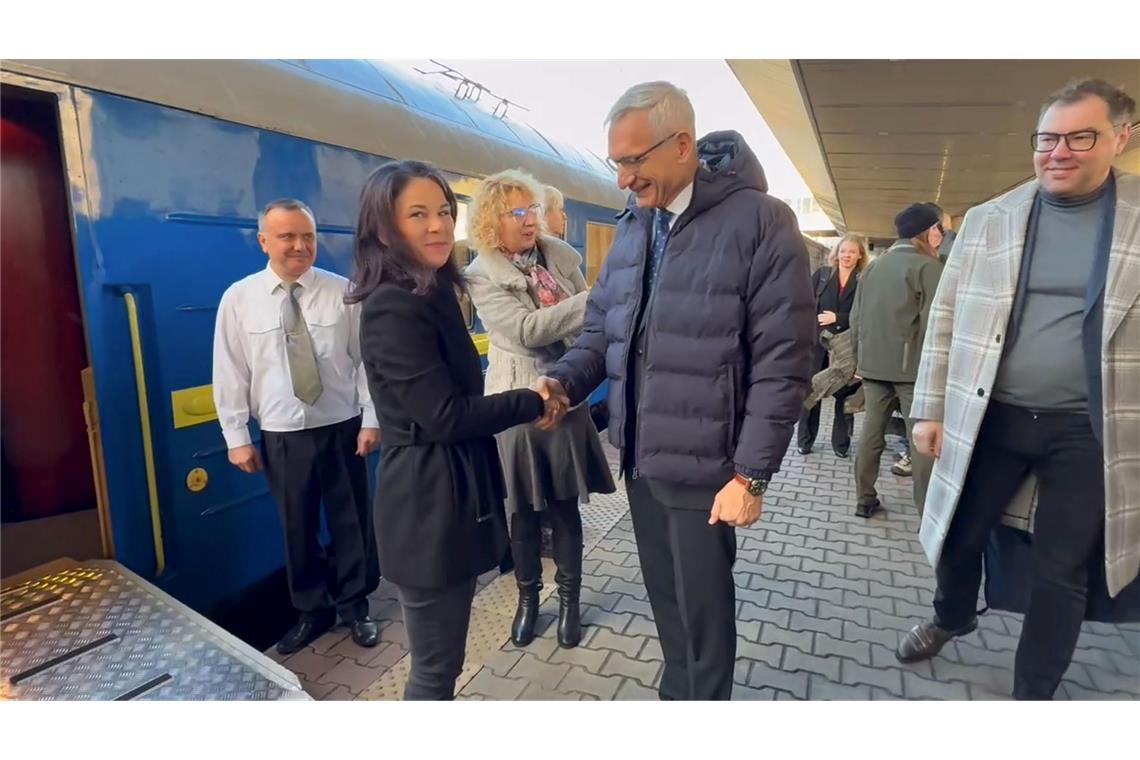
x: 48, y: 435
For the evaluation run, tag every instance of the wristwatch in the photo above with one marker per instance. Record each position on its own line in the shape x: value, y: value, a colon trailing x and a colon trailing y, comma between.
x: 755, y: 486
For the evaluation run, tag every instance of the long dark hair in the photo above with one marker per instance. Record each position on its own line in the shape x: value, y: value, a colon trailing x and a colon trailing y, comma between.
x: 380, y: 252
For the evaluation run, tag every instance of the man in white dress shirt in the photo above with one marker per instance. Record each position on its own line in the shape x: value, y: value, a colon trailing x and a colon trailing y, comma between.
x: 287, y: 354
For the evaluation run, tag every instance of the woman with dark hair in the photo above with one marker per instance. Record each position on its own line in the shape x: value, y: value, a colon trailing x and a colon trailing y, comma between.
x: 439, y: 499
x: 834, y: 286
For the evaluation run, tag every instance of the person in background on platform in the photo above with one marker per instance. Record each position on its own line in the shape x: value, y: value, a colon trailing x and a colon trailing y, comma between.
x: 896, y: 426
x: 286, y: 354
x: 531, y: 297
x: 703, y: 319
x: 1032, y: 368
x: 834, y: 287
x: 946, y: 227
x: 555, y: 219
x: 889, y: 322
x: 554, y: 212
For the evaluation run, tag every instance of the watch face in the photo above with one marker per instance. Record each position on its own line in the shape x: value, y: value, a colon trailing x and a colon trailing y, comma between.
x: 757, y: 487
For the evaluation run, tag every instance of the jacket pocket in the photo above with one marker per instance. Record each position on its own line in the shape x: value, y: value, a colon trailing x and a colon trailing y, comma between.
x: 733, y: 395
x: 906, y: 356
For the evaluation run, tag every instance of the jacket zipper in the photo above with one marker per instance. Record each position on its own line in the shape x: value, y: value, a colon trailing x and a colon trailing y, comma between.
x: 625, y: 367
x: 645, y: 317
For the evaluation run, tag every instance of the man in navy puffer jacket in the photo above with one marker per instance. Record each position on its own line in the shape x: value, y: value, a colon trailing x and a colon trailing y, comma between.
x: 703, y: 320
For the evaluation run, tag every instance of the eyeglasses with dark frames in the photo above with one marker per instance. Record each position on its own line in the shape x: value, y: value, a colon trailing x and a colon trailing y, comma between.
x: 1080, y: 141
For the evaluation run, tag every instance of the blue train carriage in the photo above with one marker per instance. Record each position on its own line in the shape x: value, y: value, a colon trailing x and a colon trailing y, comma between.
x: 141, y: 182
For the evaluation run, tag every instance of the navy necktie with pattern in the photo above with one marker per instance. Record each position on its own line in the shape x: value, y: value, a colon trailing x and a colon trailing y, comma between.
x: 661, y: 220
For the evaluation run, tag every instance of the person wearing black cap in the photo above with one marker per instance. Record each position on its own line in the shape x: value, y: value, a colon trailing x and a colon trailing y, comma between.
x: 888, y: 322
x: 946, y: 227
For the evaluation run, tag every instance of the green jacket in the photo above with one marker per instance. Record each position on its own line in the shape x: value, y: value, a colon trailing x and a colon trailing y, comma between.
x: 888, y: 320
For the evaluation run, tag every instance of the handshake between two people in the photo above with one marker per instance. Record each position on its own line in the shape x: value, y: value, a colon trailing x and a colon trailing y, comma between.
x: 555, y: 398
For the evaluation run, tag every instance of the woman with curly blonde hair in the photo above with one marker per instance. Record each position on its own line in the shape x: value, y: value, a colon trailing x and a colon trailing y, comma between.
x: 530, y: 294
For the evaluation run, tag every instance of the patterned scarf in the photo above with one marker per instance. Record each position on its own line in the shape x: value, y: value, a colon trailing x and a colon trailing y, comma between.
x: 543, y: 287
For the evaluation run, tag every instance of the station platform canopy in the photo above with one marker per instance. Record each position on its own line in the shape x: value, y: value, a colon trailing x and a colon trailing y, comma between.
x: 870, y: 136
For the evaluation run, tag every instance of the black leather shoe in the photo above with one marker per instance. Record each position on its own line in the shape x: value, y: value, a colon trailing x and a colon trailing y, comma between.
x: 365, y: 632
x: 866, y: 510
x: 569, y: 620
x: 926, y: 640
x: 841, y: 453
x: 525, y: 547
x: 307, y: 629
x: 805, y: 450
x: 567, y: 548
x: 526, y: 616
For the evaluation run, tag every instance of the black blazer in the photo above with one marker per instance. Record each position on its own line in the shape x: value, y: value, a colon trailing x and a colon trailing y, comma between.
x: 825, y: 283
x: 439, y: 497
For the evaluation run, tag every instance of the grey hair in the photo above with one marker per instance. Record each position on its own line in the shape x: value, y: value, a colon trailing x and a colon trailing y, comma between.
x: 669, y: 107
x: 553, y: 194
x: 288, y: 204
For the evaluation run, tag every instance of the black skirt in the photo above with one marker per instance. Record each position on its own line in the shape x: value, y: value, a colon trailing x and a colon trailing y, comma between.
x: 554, y: 465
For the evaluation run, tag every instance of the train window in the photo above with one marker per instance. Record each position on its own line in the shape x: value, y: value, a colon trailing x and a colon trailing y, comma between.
x: 461, y: 221
x: 599, y: 238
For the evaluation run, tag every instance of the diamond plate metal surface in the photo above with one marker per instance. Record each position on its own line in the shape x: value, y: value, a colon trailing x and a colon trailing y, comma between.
x: 495, y: 600
x: 153, y: 634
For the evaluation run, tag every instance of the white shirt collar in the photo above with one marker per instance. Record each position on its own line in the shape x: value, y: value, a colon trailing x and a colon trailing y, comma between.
x: 270, y: 280
x: 680, y: 203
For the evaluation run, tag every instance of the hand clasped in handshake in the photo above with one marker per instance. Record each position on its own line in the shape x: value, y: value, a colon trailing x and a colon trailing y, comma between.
x: 557, y: 402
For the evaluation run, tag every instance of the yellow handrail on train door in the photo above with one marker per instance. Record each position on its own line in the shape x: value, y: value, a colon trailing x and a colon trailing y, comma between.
x: 144, y: 423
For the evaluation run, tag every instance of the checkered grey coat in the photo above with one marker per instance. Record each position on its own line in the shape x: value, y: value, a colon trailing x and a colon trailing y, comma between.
x: 962, y: 350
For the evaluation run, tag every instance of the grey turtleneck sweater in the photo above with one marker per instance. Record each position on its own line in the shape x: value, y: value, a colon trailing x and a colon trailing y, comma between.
x: 1044, y: 368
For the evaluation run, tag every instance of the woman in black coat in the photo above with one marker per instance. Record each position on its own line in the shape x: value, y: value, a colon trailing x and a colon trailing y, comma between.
x: 834, y: 288
x: 439, y: 498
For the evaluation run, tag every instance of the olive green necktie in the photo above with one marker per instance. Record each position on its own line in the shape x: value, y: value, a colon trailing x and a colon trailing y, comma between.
x: 299, y: 348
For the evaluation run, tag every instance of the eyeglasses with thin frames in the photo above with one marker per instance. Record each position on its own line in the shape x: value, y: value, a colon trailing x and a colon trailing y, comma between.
x: 630, y: 163
x: 520, y: 214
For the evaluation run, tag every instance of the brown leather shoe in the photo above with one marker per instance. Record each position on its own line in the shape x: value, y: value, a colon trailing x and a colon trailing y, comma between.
x: 927, y: 639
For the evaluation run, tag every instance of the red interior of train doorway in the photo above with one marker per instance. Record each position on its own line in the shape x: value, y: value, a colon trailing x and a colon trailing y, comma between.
x: 48, y: 505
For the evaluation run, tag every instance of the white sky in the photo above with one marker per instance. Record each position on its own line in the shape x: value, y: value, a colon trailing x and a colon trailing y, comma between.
x: 569, y: 99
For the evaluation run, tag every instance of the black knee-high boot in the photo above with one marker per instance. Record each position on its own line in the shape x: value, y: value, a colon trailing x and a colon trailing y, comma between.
x: 567, y: 548
x: 528, y: 574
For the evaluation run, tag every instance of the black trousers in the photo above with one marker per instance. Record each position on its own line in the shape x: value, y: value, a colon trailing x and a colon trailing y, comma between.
x: 304, y: 468
x: 686, y: 565
x: 436, y: 621
x: 1069, y: 463
x: 526, y: 542
x: 840, y: 427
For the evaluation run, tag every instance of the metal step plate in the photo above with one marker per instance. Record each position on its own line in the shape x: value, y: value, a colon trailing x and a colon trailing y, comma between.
x: 95, y: 630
